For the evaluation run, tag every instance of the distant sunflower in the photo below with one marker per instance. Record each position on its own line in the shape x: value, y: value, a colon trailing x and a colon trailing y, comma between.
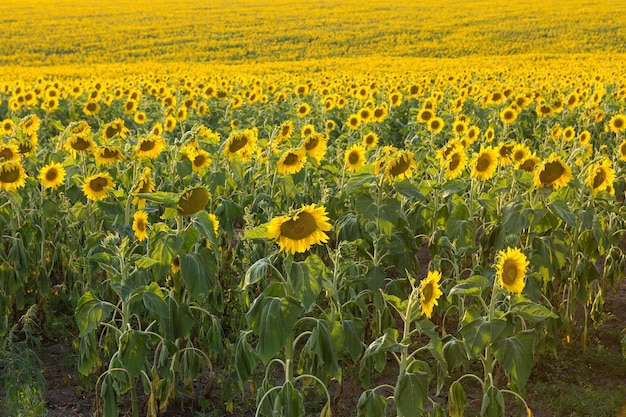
x: 169, y: 124
x: 552, y: 173
x: 150, y: 147
x: 91, y: 108
x: 30, y: 124
x: 300, y: 231
x: 216, y: 227
x: 330, y: 125
x: 130, y: 106
x: 241, y: 143
x: 315, y: 146
x: 95, y: 187
x: 307, y: 130
x: 52, y: 175
x: 9, y: 152
x: 504, y: 152
x: 508, y: 115
x: 285, y: 131
x: 459, y: 127
x: 354, y: 121
x: 485, y: 163
x: 511, y: 269
x: 600, y: 177
x: 455, y: 163
x: 145, y: 185
x: 80, y: 143
x: 568, y: 134
x: 303, y: 110
x: 354, y: 158
x: 621, y: 150
x: 584, y: 137
x: 489, y: 134
x: 529, y: 163
x: 114, y: 128
x: 370, y: 140
x: 617, y: 123
x: 365, y: 115
x: 435, y: 125
x: 12, y: 175
x: 472, y: 134
x: 7, y: 126
x: 291, y: 161
x: 400, y: 166
x: 380, y: 113
x: 140, y: 225
x: 140, y: 117
x: 519, y: 153
x: 108, y: 155
x: 447, y: 149
x: 425, y: 115
x: 430, y: 291
x: 200, y: 161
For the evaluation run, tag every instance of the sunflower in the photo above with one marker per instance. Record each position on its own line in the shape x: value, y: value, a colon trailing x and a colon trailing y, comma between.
x: 504, y: 152
x: 216, y: 227
x: 621, y: 150
x: 600, y: 177
x: 584, y: 137
x: 617, y: 123
x: 459, y: 127
x: 9, y: 152
x: 354, y: 121
x: 170, y: 123
x: 91, y: 108
x: 12, y: 175
x: 7, y: 126
x: 330, y: 125
x: 519, y: 153
x: 30, y: 124
x: 529, y: 163
x: 490, y: 134
x: 150, y: 147
x: 307, y: 130
x: 365, y: 115
x: 380, y: 113
x: 435, y: 125
x: 485, y: 163
x: 354, y: 158
x: 95, y: 187
x: 508, y: 115
x: 108, y: 155
x: 157, y: 129
x: 303, y: 110
x: 443, y: 153
x: 145, y: 185
x: 200, y: 160
x: 116, y: 127
x: 241, y: 143
x: 552, y: 173
x: 472, y: 134
x: 80, y: 143
x: 455, y: 163
x: 300, y: 231
x: 176, y: 265
x: 192, y: 201
x: 140, y: 117
x: 370, y: 140
x: 400, y: 166
x: 140, y: 225
x: 511, y: 269
x: 430, y: 292
x: 291, y: 162
x: 315, y: 146
x: 52, y: 175
x: 285, y: 131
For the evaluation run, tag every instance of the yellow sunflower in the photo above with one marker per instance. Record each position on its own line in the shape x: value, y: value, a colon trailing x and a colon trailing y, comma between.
x: 285, y: 131
x: 370, y: 140
x: 216, y: 227
x: 600, y: 177
x: 150, y: 147
x: 455, y: 163
x: 307, y: 130
x: 303, y: 110
x: 430, y: 292
x: 241, y: 143
x: 291, y: 162
x: 95, y: 187
x: 91, y: 108
x: 108, y: 155
x: 435, y: 125
x: 9, y: 152
x: 315, y: 146
x: 193, y: 200
x: 552, y: 173
x: 519, y: 153
x: 425, y: 115
x: 12, y: 175
x: 200, y: 161
x: 300, y: 231
x: 485, y: 163
x: 140, y: 225
x: 400, y: 166
x: 80, y: 143
x: 529, y: 163
x: 52, y: 175
x: 508, y: 115
x: 504, y: 152
x: 354, y: 158
x: 116, y: 127
x: 354, y: 121
x: 30, y: 124
x: 6, y: 127
x: 145, y: 185
x: 617, y: 123
x: 511, y: 269
x: 621, y: 150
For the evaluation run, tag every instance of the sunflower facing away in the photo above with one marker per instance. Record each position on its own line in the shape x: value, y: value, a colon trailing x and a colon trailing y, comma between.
x: 95, y: 187
x: 511, y: 270
x: 600, y: 177
x: 52, y: 175
x: 297, y: 233
x: 140, y: 225
x: 430, y: 292
x: 354, y: 158
x: 12, y: 175
x: 552, y: 173
x: 485, y: 163
x: 291, y: 162
x: 192, y: 201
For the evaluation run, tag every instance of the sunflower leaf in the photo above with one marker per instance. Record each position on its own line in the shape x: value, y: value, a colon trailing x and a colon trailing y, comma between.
x: 410, y: 393
x: 515, y: 354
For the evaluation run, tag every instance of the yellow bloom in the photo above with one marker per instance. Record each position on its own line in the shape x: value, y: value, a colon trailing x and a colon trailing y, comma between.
x: 511, y: 270
x: 95, y: 187
x: 150, y: 147
x: 354, y: 158
x: 145, y: 185
x: 241, y: 143
x: 140, y: 225
x: 370, y: 140
x: 291, y: 162
x: 315, y: 146
x: 430, y: 292
x: 600, y: 177
x: 617, y: 123
x: 12, y: 175
x: 52, y: 175
x: 297, y: 233
x: 108, y: 155
x: 552, y: 173
x: 485, y: 163
x: 400, y: 166
x: 455, y: 163
x: 200, y: 160
x: 9, y: 152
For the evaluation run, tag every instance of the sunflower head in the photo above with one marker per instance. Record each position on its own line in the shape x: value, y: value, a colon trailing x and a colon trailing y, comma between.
x: 485, y: 163
x: 96, y: 186
x: 291, y: 162
x: 552, y: 173
x: 300, y: 231
x: 192, y: 201
x: 354, y: 158
x: 12, y: 175
x: 52, y: 175
x: 429, y: 292
x: 600, y: 177
x: 511, y: 269
x: 140, y: 225
x: 400, y: 166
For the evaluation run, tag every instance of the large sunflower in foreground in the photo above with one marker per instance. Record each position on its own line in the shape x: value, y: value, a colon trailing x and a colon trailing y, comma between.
x: 95, y: 187
x: 552, y: 173
x: 430, y: 292
x: 400, y: 166
x: 297, y: 233
x: 485, y: 163
x: 600, y: 177
x: 511, y: 269
x: 12, y: 175
x: 52, y: 175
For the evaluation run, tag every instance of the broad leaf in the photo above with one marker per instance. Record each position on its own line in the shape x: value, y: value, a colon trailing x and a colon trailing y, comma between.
x: 410, y: 393
x: 90, y: 312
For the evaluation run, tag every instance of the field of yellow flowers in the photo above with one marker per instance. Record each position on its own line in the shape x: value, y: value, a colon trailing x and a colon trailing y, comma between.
x: 291, y: 201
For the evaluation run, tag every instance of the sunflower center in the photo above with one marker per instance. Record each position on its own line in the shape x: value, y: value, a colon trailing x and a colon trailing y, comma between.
x: 80, y: 144
x: 483, y: 163
x: 353, y: 158
x: 299, y: 227
x: 505, y: 150
x: 9, y: 176
x: 237, y: 142
x: 98, y: 184
x: 52, y: 174
x: 434, y: 125
x: 6, y: 154
x: 147, y: 145
x: 528, y: 165
x: 551, y: 172
x: 199, y: 160
x: 427, y: 292
x: 455, y: 160
x: 400, y: 165
x: 509, y: 272
x: 110, y: 153
x: 618, y: 123
x: 291, y: 159
x: 311, y: 143
x: 599, y: 178
x: 111, y: 131
x: 140, y: 225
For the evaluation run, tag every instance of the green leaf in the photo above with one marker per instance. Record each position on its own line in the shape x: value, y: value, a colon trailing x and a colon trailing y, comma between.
x: 409, y: 189
x: 410, y: 393
x: 197, y: 273
x: 473, y: 285
x: 161, y: 197
x: 515, y: 354
x: 479, y: 333
x: 133, y: 348
x: 371, y: 404
x: 90, y: 312
x: 289, y: 402
x: 166, y: 246
x: 256, y: 272
x: 352, y: 331
x: 110, y: 394
x: 306, y: 280
x: 245, y: 359
x: 560, y: 208
x: 259, y: 232
x: 530, y: 310
x: 358, y: 181
x: 318, y: 357
x: 454, y: 353
x: 272, y: 320
x: 457, y: 399
x: 513, y: 221
x: 453, y: 187
x: 87, y: 353
x: 493, y: 403
x: 178, y: 321
x: 154, y: 299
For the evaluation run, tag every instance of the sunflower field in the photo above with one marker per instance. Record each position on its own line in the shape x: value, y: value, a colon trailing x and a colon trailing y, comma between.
x: 264, y: 206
